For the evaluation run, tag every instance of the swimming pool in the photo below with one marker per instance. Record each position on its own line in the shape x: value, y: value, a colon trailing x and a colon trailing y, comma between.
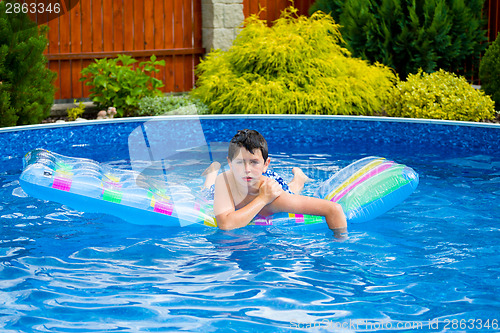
x: 432, y: 262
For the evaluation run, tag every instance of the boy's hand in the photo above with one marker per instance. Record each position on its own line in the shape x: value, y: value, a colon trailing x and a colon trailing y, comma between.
x: 269, y: 190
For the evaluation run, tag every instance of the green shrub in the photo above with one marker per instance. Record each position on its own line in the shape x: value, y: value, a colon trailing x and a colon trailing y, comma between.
x: 440, y: 95
x: 489, y: 71
x: 26, y: 84
x: 296, y: 66
x: 76, y: 112
x: 332, y: 7
x: 407, y: 34
x: 161, y: 105
x: 119, y: 85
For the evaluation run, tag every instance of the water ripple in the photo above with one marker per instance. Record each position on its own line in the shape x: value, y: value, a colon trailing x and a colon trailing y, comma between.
x: 436, y: 256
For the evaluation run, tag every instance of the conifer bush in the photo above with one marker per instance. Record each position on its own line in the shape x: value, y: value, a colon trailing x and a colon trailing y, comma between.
x: 297, y: 66
x: 440, y: 95
x: 332, y: 7
x: 407, y: 35
x: 489, y: 71
x: 26, y: 84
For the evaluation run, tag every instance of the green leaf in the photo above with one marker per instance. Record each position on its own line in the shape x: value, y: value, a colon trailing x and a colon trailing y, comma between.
x: 130, y: 100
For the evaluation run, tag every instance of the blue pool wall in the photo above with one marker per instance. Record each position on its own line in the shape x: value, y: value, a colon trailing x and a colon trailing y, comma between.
x: 388, y: 137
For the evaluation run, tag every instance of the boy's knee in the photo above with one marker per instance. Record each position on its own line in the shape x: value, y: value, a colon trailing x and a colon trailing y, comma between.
x: 336, y: 208
x: 340, y: 224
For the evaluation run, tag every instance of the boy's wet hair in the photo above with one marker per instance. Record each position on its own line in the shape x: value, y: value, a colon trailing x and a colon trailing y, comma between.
x: 250, y: 140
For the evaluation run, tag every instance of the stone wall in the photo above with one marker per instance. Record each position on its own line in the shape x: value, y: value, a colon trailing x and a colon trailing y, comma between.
x: 221, y: 22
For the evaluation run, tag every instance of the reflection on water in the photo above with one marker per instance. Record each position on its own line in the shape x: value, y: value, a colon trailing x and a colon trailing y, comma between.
x: 436, y: 256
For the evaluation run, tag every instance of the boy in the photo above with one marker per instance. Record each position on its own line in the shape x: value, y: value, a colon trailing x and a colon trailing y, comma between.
x: 247, y: 189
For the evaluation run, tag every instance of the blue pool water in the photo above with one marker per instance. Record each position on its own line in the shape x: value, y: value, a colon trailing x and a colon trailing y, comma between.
x: 431, y: 264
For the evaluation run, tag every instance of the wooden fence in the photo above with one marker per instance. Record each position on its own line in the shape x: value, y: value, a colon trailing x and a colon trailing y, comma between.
x: 170, y: 29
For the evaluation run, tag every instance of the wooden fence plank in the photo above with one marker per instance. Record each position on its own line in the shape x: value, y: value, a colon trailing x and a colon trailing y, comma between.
x: 272, y: 10
x: 86, y: 22
x: 107, y: 25
x: 188, y: 42
x: 262, y: 4
x: 149, y: 25
x: 169, y: 44
x: 138, y: 25
x: 246, y: 8
x: 97, y: 33
x: 86, y: 12
x: 159, y: 24
x: 197, y: 34
x: 75, y: 27
x: 76, y: 47
x: 128, y: 25
x: 65, y: 66
x: 178, y: 43
x: 284, y: 3
x: 53, y: 47
x: 159, y: 32
x: 118, y: 26
x: 197, y: 14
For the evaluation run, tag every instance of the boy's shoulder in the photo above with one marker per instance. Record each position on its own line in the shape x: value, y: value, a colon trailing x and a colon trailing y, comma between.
x: 224, y: 175
x: 225, y: 178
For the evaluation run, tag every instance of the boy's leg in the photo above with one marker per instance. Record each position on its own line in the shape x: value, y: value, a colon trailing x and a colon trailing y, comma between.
x: 298, y: 181
x: 298, y: 204
x: 211, y: 174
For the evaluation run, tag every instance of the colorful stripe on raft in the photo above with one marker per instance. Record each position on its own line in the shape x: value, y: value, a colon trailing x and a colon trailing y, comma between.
x: 369, y: 187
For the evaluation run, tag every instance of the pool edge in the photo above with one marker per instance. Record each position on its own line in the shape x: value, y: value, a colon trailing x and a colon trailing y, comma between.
x: 251, y: 116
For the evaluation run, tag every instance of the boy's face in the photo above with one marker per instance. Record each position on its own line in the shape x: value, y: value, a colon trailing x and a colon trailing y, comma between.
x: 247, y: 168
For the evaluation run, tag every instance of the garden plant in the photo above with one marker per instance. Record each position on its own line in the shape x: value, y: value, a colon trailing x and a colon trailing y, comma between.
x: 298, y: 65
x: 115, y: 82
x: 171, y: 104
x: 76, y: 112
x: 440, y: 95
x: 26, y: 84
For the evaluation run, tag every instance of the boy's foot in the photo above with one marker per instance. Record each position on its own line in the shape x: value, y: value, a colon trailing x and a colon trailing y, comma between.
x: 214, y: 167
x: 210, y: 174
x: 300, y: 175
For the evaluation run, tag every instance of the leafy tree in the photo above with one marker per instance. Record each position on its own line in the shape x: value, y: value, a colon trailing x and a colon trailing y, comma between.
x: 26, y: 84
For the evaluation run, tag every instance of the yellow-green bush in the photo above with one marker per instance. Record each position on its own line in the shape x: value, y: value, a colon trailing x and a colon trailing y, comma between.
x: 296, y: 66
x: 440, y: 95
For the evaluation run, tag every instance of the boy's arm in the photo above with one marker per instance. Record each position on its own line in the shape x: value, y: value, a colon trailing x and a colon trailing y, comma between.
x: 225, y: 213
x: 298, y: 204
